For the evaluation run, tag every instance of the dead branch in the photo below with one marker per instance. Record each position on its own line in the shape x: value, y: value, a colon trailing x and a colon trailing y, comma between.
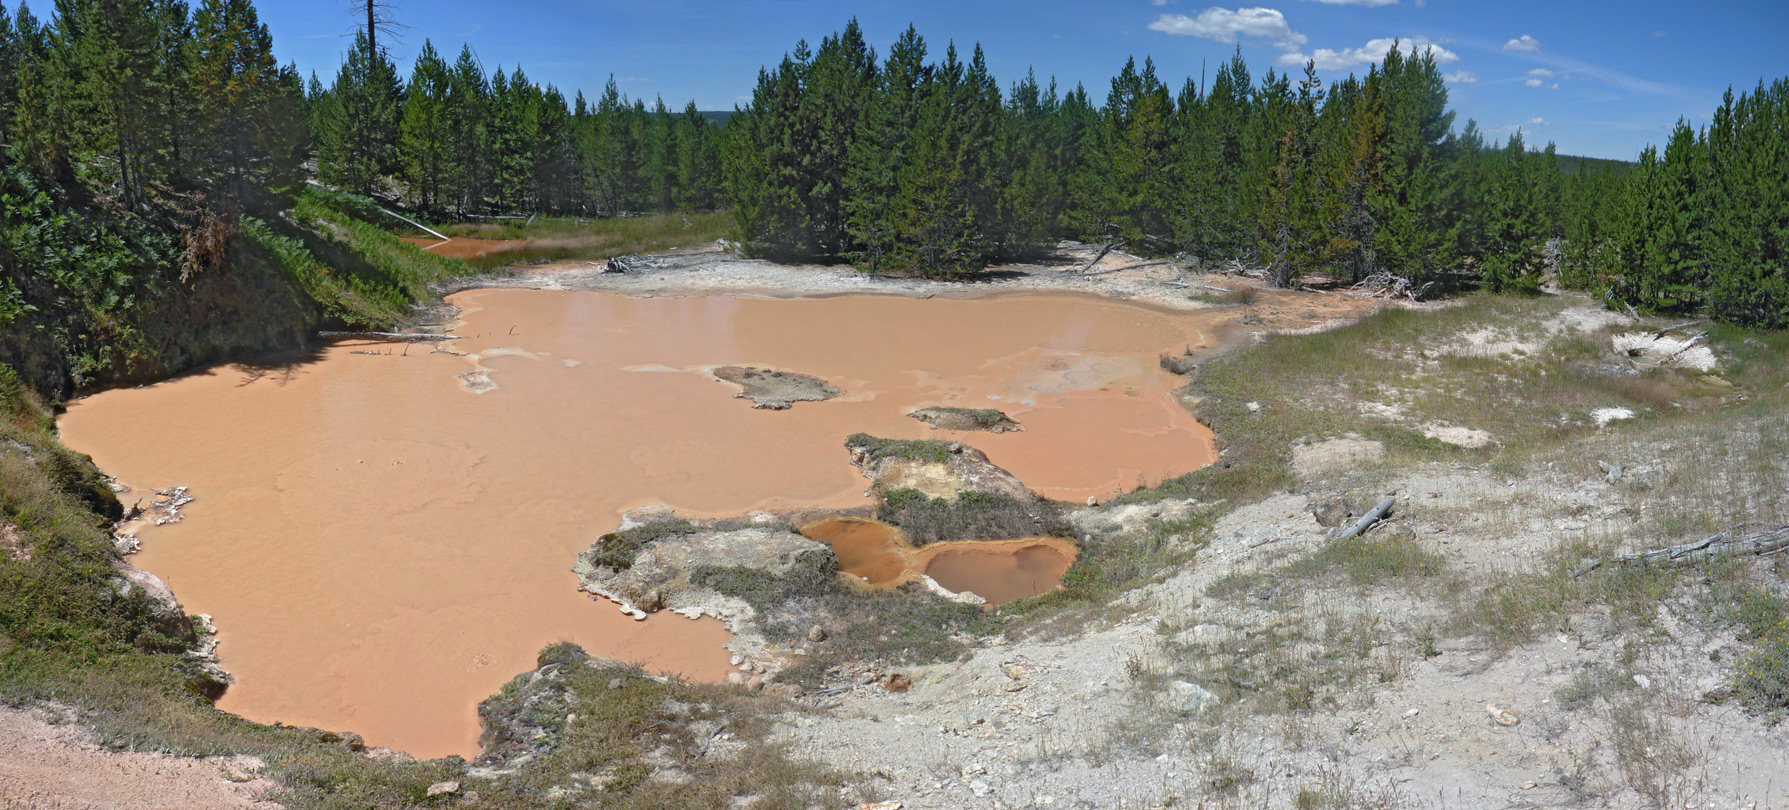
x: 635, y: 264
x: 1662, y: 332
x: 1387, y: 285
x: 1727, y: 543
x: 1366, y: 521
x: 1103, y: 250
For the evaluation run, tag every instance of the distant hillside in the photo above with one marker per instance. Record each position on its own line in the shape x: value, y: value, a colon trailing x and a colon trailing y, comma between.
x: 718, y: 116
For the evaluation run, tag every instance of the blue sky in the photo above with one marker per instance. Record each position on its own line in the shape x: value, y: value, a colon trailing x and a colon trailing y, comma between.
x: 1598, y: 78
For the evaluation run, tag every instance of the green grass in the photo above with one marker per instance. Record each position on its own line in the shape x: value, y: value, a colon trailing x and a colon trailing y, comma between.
x: 972, y: 516
x: 397, y: 271
x: 563, y: 239
x: 1314, y: 387
x: 607, y: 729
x: 1396, y: 557
x: 876, y: 450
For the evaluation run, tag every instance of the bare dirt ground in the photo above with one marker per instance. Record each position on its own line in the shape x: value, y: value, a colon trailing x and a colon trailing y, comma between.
x: 48, y: 763
x: 1118, y: 714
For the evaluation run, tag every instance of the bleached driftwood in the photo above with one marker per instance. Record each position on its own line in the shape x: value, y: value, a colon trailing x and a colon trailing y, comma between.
x: 1366, y: 521
x: 407, y: 336
x: 1387, y: 285
x: 1103, y: 250
x: 1728, y: 543
x: 1669, y: 329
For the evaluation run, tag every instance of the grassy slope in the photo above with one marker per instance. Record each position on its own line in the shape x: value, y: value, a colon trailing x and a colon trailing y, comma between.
x: 560, y: 239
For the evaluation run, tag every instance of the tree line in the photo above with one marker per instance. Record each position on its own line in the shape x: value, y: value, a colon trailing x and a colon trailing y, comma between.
x: 1702, y: 225
x: 453, y: 141
x: 927, y: 166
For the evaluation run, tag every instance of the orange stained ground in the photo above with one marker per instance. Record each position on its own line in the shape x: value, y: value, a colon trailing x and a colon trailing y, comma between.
x: 382, y: 546
x: 462, y: 247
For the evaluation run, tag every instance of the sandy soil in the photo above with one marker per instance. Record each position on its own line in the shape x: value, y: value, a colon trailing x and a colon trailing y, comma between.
x: 48, y: 763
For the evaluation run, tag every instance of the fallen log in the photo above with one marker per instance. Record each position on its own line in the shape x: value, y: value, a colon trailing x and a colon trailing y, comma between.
x: 1758, y: 544
x: 1366, y: 521
x: 1662, y: 332
x: 1103, y: 250
x: 391, y: 335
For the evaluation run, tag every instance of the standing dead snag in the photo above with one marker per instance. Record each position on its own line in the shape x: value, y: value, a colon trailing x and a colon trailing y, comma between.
x: 1757, y: 544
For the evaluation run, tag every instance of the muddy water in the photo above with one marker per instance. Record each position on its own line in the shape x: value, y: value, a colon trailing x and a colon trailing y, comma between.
x: 999, y: 571
x: 867, y: 549
x: 383, y: 535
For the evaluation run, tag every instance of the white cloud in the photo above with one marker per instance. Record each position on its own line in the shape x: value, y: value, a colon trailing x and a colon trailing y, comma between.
x: 1541, y: 72
x: 1525, y: 43
x: 1461, y: 77
x: 1537, y: 122
x: 1534, y: 82
x: 1371, y: 53
x: 1225, y: 25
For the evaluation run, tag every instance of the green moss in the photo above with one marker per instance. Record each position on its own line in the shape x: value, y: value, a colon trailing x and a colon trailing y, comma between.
x: 876, y: 450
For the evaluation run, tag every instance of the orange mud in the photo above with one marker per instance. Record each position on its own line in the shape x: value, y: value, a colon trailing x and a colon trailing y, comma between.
x: 462, y: 247
x: 867, y: 549
x: 384, y: 535
x: 999, y: 571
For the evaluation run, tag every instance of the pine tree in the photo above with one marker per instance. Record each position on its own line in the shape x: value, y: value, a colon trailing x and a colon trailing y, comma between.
x: 250, y: 127
x: 425, y: 144
x: 358, y: 141
x: 466, y: 111
x: 880, y: 149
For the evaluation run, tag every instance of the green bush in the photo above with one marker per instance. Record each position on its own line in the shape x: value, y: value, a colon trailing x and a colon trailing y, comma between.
x: 1763, y: 680
x: 875, y: 449
x: 972, y: 516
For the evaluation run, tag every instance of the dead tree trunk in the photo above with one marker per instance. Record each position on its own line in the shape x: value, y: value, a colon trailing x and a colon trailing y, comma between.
x: 1727, y: 543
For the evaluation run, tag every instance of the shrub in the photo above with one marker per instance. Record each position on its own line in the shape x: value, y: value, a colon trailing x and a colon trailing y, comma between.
x: 972, y: 516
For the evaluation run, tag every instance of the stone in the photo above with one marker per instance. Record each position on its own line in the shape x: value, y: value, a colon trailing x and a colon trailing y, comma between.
x: 1189, y: 698
x: 980, y: 788
x: 816, y: 634
x: 892, y: 805
x: 1332, y: 512
x: 897, y: 683
x: 443, y: 789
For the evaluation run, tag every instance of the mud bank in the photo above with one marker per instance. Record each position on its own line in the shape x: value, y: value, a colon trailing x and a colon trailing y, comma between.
x: 425, y: 503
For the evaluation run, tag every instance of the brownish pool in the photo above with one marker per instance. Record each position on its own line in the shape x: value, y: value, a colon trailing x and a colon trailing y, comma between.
x: 384, y: 536
x: 999, y: 571
x: 463, y: 247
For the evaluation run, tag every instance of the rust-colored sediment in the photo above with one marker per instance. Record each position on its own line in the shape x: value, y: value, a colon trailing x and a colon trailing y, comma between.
x: 462, y: 247
x: 867, y: 549
x: 382, y: 547
x: 999, y: 571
